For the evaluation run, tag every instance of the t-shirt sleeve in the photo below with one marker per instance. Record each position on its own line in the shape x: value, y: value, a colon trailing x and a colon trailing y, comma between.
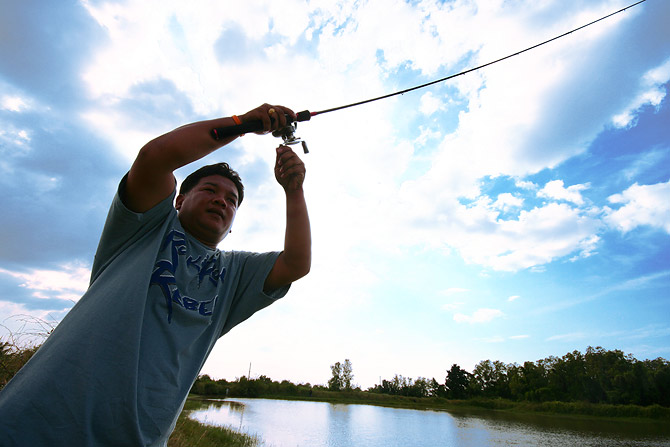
x: 249, y: 295
x: 124, y: 226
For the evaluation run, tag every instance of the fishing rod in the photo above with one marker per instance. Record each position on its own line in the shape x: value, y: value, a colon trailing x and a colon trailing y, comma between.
x: 288, y: 133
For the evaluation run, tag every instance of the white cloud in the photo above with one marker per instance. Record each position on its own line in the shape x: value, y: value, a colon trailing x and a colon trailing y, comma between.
x: 501, y: 339
x: 555, y: 190
x: 519, y: 337
x: 537, y: 237
x: 506, y: 201
x: 68, y: 283
x: 452, y: 306
x: 525, y: 185
x: 572, y: 336
x: 16, y: 139
x: 479, y: 316
x: 644, y: 162
x: 13, y: 103
x: 651, y: 92
x: 429, y: 104
x: 513, y: 298
x: 641, y: 205
x: 426, y: 135
x: 494, y: 339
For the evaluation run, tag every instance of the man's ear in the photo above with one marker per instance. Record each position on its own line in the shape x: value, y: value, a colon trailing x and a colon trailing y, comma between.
x: 178, y: 201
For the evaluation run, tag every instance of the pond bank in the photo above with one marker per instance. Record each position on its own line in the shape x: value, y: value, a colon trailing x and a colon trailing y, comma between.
x: 568, y: 409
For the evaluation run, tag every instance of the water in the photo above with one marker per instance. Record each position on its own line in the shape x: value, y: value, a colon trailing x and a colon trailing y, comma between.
x: 282, y: 423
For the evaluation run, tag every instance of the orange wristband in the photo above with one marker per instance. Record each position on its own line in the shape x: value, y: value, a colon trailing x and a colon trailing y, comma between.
x: 238, y: 121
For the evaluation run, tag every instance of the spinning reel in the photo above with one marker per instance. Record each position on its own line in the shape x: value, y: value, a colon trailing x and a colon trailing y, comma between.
x: 288, y: 135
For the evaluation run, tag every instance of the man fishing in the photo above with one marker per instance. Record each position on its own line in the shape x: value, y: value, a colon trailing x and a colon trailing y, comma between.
x: 118, y: 368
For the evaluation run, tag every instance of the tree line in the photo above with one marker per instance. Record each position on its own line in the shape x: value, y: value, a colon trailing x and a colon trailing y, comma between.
x: 597, y: 376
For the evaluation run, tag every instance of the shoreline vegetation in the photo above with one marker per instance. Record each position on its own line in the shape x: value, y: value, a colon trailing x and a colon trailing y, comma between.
x: 650, y: 413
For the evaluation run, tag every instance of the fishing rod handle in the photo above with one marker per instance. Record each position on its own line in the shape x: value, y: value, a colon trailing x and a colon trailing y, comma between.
x: 252, y: 126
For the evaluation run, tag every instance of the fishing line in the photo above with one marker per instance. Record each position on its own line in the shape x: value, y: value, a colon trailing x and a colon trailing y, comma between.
x: 475, y: 68
x: 288, y: 133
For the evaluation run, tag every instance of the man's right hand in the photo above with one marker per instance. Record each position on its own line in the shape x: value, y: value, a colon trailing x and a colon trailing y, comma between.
x: 272, y: 117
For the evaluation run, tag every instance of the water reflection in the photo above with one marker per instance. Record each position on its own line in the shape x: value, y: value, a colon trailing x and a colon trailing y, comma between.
x: 283, y: 423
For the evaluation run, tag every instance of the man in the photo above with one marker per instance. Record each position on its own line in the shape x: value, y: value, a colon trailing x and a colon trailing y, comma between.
x: 118, y: 368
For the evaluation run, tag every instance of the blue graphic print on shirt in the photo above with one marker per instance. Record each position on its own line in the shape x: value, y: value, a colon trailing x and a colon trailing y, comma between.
x: 164, y: 275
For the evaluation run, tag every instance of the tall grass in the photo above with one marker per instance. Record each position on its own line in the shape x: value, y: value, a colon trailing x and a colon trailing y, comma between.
x: 190, y: 433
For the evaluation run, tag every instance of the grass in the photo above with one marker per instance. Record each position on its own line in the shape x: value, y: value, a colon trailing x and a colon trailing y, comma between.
x: 190, y: 433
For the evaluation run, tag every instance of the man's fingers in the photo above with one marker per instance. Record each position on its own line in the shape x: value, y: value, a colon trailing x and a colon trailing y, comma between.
x: 293, y: 170
x: 289, y: 169
x: 289, y: 160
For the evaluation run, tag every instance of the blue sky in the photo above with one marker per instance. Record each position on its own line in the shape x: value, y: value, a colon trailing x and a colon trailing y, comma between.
x: 513, y: 213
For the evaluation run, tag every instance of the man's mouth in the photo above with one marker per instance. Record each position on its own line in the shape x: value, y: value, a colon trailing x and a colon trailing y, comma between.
x: 218, y: 212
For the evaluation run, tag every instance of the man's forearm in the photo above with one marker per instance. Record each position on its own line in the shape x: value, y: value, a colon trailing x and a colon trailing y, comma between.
x: 298, y: 238
x: 188, y: 143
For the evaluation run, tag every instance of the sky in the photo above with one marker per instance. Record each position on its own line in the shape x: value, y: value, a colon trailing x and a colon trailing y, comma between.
x: 513, y: 213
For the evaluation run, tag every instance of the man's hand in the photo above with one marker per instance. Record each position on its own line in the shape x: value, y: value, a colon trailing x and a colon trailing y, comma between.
x: 289, y: 169
x: 272, y: 117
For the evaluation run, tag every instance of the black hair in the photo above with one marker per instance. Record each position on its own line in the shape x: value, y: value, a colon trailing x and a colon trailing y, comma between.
x: 222, y: 169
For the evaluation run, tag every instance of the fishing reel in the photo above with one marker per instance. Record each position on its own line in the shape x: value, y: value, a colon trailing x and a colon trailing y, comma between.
x: 287, y: 134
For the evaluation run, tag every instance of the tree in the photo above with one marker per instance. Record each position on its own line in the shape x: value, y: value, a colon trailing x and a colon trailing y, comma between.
x: 491, y: 379
x: 456, y: 382
x: 335, y: 382
x: 420, y: 388
x: 347, y: 374
x: 436, y: 389
x: 342, y: 376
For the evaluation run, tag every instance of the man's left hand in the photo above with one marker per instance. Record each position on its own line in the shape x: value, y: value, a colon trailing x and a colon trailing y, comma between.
x: 289, y: 169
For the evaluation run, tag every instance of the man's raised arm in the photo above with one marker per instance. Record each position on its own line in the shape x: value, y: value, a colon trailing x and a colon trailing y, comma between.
x: 296, y: 259
x: 150, y: 179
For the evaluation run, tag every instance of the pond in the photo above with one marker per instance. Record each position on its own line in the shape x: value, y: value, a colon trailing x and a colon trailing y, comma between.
x: 282, y: 423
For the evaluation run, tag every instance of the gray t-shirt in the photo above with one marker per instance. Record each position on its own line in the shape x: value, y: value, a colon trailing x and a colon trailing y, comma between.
x: 117, y: 370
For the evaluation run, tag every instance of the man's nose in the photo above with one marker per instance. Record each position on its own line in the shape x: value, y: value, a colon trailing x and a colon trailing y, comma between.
x: 219, y: 200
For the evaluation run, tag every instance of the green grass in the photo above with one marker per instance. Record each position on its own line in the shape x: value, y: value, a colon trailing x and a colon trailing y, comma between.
x: 190, y: 433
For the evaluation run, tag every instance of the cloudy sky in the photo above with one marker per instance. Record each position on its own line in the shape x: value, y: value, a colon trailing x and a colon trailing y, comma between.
x: 517, y: 212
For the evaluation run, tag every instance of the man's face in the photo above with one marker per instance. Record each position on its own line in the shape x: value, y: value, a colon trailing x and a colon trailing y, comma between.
x: 208, y: 210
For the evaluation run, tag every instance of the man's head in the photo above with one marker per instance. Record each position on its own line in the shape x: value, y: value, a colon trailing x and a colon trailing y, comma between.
x: 222, y: 169
x: 208, y: 201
